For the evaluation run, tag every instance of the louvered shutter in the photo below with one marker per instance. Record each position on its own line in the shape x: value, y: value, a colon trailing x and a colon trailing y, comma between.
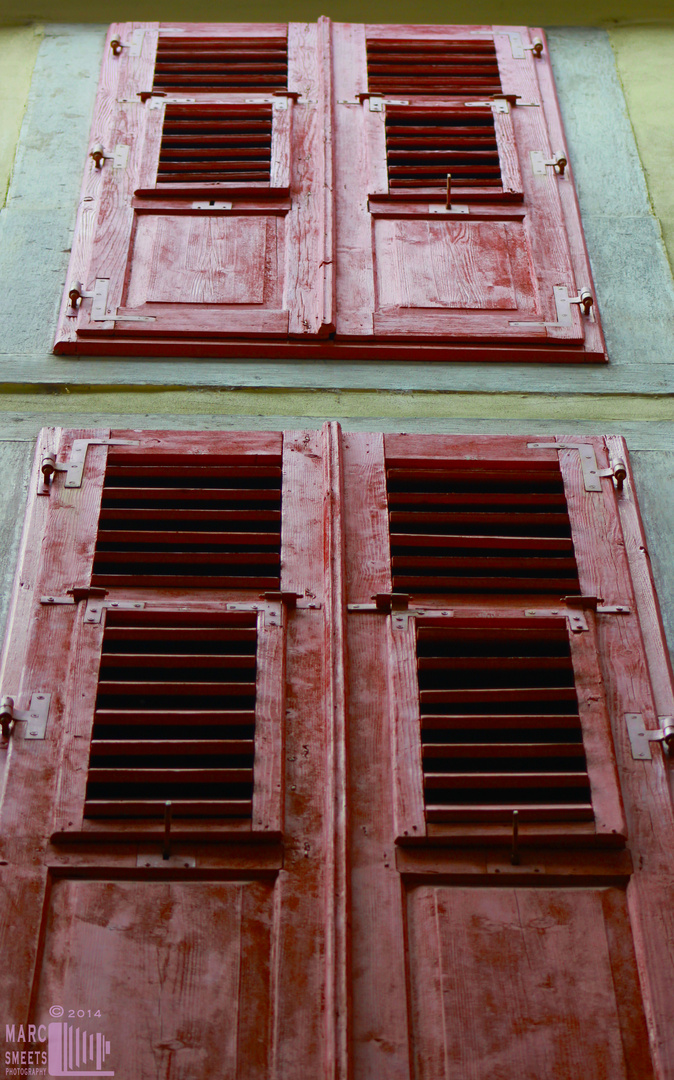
x: 176, y: 670
x: 496, y: 265
x: 203, y: 223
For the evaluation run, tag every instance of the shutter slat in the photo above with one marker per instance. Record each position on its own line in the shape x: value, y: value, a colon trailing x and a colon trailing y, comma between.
x: 516, y: 751
x: 159, y: 775
x: 477, y: 781
x: 154, y: 808
x: 510, y: 722
x: 200, y: 154
x: 528, y: 812
x: 183, y: 718
x: 175, y: 660
x: 178, y: 747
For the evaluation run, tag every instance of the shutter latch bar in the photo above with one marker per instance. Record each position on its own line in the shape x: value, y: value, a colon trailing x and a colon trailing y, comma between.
x: 74, y: 469
x: 36, y: 715
x: 640, y: 736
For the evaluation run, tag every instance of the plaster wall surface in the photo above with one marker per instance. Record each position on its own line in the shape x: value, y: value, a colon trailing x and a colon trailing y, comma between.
x: 645, y: 62
x: 18, y: 50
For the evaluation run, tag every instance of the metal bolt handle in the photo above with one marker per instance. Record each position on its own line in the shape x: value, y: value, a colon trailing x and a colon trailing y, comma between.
x: 6, y: 715
x: 98, y: 154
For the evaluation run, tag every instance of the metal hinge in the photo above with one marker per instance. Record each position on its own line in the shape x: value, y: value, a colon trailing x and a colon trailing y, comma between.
x: 563, y: 302
x: 640, y: 736
x: 272, y: 605
x: 96, y: 602
x: 36, y: 715
x: 99, y: 312
x: 539, y: 162
x: 518, y: 48
x: 75, y: 467
x: 134, y: 46
x: 588, y: 461
x: 119, y: 156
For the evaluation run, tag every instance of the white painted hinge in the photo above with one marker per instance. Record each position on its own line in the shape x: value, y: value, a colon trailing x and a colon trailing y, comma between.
x: 640, y: 736
x: 135, y: 45
x: 74, y: 468
x: 540, y: 162
x: 35, y: 716
x: 99, y: 312
x: 119, y: 156
x: 96, y: 603
x: 563, y: 302
x: 519, y: 49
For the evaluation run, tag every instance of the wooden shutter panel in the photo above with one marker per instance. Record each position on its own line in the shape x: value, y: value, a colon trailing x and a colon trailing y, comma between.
x: 482, y: 271
x: 189, y: 231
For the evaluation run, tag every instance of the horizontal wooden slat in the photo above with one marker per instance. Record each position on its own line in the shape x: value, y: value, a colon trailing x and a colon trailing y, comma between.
x: 178, y: 581
x: 154, y: 808
x: 494, y: 663
x: 214, y: 634
x: 498, y: 695
x: 515, y: 751
x: 163, y: 775
x: 175, y: 557
x: 168, y: 747
x: 190, y: 689
x: 469, y: 781
x: 482, y: 584
x: 466, y: 540
x: 178, y: 538
x: 191, y: 494
x: 526, y: 812
x: 176, y: 660
x: 179, y: 515
x: 501, y: 722
x: 182, y: 718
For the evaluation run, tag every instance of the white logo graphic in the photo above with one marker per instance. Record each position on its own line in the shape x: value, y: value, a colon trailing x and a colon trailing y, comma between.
x: 76, y: 1052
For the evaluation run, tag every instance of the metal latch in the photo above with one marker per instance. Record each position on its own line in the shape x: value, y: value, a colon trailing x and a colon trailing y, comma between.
x: 640, y: 736
x: 119, y: 156
x: 212, y: 205
x: 36, y: 715
x: 75, y: 467
x: 539, y: 162
x: 134, y: 46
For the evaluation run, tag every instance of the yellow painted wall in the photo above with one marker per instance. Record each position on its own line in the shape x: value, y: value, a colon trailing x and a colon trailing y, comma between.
x: 645, y: 61
x: 325, y: 405
x: 18, y: 49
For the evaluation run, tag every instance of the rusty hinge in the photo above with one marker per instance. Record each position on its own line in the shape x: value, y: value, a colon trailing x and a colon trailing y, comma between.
x: 640, y: 736
x: 36, y: 715
x: 74, y: 468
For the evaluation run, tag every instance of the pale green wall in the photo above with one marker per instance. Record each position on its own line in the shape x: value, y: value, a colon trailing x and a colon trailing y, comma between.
x: 18, y: 50
x: 645, y: 62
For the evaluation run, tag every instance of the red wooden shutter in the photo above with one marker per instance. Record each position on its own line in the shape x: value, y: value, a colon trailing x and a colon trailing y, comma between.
x: 507, y: 964
x: 201, y: 224
x: 361, y: 913
x: 497, y: 265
